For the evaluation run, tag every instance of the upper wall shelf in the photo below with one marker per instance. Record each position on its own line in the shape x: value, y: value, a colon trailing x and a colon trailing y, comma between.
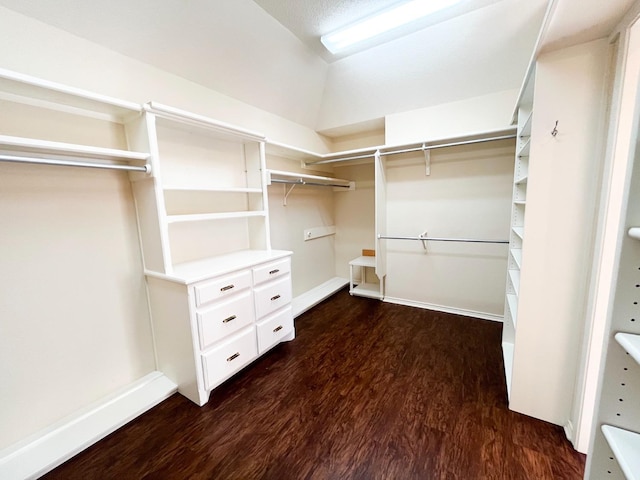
x: 25, y: 89
x: 44, y: 147
x: 362, y: 154
x: 293, y: 178
x: 221, y: 129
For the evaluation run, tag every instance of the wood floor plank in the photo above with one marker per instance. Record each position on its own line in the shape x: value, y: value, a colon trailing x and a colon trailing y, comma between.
x: 367, y: 390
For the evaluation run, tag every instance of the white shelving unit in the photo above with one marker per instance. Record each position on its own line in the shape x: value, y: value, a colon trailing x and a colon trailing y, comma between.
x: 361, y: 287
x: 625, y: 447
x: 615, y: 450
x: 219, y: 295
x: 518, y: 208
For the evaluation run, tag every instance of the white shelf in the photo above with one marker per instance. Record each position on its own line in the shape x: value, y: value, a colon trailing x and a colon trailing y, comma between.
x: 197, y: 188
x: 216, y: 127
x: 514, y: 275
x: 520, y: 202
x: 364, y: 262
x: 516, y: 253
x: 303, y: 179
x: 44, y: 147
x: 203, y: 217
x: 634, y: 232
x: 526, y: 126
x: 512, y: 301
x: 369, y: 290
x: 631, y: 343
x: 625, y: 446
x: 507, y: 355
x: 202, y: 269
x: 519, y: 231
x: 521, y: 180
x: 311, y: 298
x: 35, y: 91
x: 523, y: 151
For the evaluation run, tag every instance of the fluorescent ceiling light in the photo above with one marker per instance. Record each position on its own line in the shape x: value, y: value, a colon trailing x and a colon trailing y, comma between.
x: 382, y: 22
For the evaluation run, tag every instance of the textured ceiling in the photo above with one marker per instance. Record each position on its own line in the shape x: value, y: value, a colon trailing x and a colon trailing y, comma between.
x: 310, y: 19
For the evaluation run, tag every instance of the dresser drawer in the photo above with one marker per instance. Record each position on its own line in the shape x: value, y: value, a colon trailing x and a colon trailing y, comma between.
x: 272, y: 270
x: 272, y: 296
x: 222, y: 287
x: 274, y: 328
x: 225, y: 317
x: 226, y: 359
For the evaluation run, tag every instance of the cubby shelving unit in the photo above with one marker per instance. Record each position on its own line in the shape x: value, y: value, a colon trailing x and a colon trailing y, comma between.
x: 362, y: 287
x: 518, y: 208
x: 616, y: 445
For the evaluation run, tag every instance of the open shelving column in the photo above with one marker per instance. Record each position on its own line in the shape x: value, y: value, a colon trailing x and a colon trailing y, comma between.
x: 519, y: 201
x: 615, y: 449
x: 206, y: 199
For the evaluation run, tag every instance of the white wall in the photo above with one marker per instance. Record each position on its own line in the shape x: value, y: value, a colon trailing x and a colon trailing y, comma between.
x: 355, y: 216
x: 473, y: 115
x: 469, y: 56
x: 307, y: 207
x: 74, y: 324
x: 233, y: 47
x: 32, y: 47
x: 467, y: 195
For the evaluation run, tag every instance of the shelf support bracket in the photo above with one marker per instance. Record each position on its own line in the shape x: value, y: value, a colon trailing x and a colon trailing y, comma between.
x: 422, y: 237
x: 427, y: 159
x: 287, y: 193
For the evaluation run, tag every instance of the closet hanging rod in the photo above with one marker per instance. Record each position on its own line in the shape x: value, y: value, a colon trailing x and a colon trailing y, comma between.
x: 415, y: 149
x: 441, y: 239
x: 67, y: 163
x: 304, y: 182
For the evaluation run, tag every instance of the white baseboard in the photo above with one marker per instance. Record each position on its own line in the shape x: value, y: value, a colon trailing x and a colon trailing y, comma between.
x: 440, y: 308
x: 311, y: 298
x: 50, y: 447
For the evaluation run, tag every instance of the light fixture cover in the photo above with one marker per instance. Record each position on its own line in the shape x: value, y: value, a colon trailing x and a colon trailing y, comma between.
x: 382, y: 22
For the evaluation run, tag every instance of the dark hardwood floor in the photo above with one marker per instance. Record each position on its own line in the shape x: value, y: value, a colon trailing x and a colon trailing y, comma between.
x: 368, y: 390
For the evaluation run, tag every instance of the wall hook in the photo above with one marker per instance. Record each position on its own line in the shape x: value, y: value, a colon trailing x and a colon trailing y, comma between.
x: 554, y: 132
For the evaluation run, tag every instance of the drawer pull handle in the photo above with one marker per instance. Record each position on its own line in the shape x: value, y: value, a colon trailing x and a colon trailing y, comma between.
x: 228, y: 319
x: 274, y: 271
x: 275, y: 297
x: 277, y: 329
x: 228, y: 287
x: 233, y: 357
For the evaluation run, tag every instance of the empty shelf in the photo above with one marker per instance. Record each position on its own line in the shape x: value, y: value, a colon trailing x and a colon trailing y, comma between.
x: 521, y: 180
x: 45, y: 147
x: 526, y: 126
x: 370, y: 290
x: 519, y: 231
x: 507, y: 354
x: 516, y: 254
x: 512, y: 301
x: 363, y: 262
x: 625, y: 446
x: 514, y: 275
x: 523, y: 151
x: 634, y: 232
x: 200, y: 217
x: 631, y: 343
